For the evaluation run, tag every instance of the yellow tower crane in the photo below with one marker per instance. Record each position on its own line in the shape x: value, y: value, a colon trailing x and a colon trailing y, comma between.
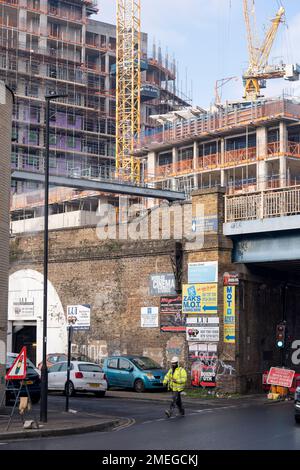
x: 259, y: 70
x: 128, y: 88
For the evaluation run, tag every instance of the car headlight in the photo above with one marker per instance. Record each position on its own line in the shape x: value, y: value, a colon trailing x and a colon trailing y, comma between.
x: 150, y: 376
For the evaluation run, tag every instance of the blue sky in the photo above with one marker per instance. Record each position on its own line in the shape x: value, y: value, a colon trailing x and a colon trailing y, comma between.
x: 208, y: 40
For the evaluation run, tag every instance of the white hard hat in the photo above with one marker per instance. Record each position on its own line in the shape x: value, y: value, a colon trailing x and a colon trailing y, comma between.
x: 174, y: 360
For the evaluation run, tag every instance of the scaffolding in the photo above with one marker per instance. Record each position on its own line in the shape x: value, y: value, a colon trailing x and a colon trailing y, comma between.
x: 63, y: 58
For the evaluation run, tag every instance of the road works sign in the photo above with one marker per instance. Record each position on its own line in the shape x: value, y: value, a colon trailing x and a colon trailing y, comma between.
x: 18, y: 370
x: 200, y: 299
x: 280, y: 377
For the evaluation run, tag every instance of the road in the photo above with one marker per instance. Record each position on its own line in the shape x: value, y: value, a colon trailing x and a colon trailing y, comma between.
x: 233, y: 427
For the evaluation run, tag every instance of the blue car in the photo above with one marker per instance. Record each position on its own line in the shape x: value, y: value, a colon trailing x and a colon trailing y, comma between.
x: 137, y: 372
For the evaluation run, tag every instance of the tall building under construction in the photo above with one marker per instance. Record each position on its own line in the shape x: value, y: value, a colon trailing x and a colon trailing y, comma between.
x: 243, y: 147
x: 57, y: 47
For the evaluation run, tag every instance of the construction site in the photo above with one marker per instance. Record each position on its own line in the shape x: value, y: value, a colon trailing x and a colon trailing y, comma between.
x: 55, y: 47
x: 124, y: 120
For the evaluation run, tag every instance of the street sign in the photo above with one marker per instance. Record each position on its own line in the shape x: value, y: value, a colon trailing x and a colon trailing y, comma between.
x: 202, y: 334
x: 18, y: 370
x: 200, y: 299
x: 79, y: 316
x: 280, y: 377
x: 229, y: 314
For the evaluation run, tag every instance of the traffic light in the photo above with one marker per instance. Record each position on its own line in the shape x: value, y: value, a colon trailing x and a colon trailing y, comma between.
x: 280, y: 335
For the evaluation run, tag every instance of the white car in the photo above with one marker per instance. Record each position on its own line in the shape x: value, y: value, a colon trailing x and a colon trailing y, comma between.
x: 84, y: 377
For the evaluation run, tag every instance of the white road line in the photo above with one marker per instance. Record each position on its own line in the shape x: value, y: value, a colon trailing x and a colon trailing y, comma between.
x: 3, y: 443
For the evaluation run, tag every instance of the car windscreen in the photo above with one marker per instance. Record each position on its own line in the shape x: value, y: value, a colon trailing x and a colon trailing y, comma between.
x: 11, y: 359
x: 89, y: 368
x: 145, y: 363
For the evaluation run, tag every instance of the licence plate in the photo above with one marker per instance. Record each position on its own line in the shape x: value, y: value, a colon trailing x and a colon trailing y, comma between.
x: 29, y: 382
x: 94, y: 385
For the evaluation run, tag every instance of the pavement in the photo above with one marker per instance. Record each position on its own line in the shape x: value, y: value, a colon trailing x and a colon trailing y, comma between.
x: 59, y: 423
x: 88, y: 418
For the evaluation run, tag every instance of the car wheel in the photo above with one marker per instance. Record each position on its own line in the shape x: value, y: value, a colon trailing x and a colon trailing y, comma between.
x: 100, y: 394
x: 139, y: 386
x: 297, y: 419
x: 71, y: 389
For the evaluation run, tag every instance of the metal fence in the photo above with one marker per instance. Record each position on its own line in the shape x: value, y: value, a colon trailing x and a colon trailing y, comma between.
x: 263, y: 204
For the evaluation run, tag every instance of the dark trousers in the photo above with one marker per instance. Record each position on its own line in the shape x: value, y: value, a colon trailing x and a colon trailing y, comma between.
x: 176, y: 401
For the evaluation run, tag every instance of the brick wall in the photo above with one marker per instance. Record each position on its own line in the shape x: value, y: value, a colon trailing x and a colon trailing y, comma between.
x: 5, y: 151
x: 113, y: 276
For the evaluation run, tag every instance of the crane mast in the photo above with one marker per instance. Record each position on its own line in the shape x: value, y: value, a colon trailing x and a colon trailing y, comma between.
x: 128, y: 88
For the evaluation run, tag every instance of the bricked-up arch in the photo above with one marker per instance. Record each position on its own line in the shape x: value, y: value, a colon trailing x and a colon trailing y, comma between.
x: 25, y: 304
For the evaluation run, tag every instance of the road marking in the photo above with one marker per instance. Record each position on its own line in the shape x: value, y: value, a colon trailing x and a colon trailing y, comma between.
x: 3, y: 443
x: 130, y: 422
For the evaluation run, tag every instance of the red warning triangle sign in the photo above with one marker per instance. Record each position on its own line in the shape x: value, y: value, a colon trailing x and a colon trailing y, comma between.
x: 19, y: 368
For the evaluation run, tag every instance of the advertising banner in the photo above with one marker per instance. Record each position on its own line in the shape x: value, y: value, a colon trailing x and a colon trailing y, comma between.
x: 202, y: 334
x: 201, y: 350
x: 231, y: 279
x: 79, y: 316
x: 200, y: 299
x: 162, y: 284
x: 171, y: 317
x: 203, y: 272
x: 202, y: 321
x: 204, y: 371
x: 229, y: 314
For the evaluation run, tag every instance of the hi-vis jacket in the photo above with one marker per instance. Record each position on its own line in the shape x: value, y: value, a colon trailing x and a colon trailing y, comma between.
x: 180, y: 376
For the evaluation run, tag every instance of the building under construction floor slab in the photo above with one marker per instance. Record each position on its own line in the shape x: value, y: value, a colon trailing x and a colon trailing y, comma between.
x: 245, y: 147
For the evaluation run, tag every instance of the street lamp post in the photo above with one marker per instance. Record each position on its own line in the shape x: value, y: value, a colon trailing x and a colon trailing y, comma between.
x: 44, y: 371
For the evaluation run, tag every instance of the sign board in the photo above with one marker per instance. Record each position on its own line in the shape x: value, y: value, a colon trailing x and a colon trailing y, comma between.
x: 171, y: 317
x: 203, y: 272
x: 149, y: 317
x: 201, y: 350
x: 280, y: 377
x: 18, y: 370
x: 200, y: 299
x: 204, y: 371
x: 231, y: 279
x: 205, y: 224
x: 23, y: 307
x: 229, y: 314
x: 79, y: 316
x: 203, y: 334
x: 162, y: 284
x: 202, y: 321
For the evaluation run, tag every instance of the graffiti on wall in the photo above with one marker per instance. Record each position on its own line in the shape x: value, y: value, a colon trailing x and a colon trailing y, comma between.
x: 208, y: 368
x: 175, y: 347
